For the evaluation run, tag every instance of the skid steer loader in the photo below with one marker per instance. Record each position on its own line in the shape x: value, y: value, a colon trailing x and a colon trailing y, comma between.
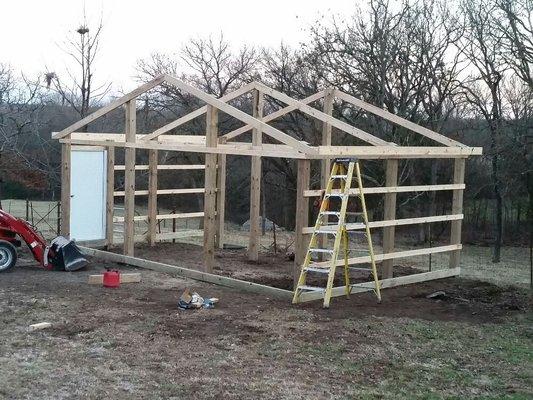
x: 62, y: 254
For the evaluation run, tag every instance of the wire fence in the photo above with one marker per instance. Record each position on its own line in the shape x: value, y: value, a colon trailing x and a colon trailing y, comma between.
x: 515, y: 267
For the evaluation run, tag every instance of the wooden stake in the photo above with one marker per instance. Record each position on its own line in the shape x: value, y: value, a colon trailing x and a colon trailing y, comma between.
x: 302, y: 216
x: 129, y: 198
x: 255, y: 182
x: 110, y: 198
x: 389, y: 213
x: 152, y: 196
x: 65, y: 188
x: 457, y: 208
x: 210, y: 189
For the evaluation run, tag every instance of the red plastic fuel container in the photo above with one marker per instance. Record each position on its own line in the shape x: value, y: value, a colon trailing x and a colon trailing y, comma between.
x: 112, y: 279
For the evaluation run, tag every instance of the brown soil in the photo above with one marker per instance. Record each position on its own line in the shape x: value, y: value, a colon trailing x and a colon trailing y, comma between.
x: 133, y: 342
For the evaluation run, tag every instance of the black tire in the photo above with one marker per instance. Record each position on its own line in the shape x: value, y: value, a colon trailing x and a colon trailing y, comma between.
x: 8, y: 256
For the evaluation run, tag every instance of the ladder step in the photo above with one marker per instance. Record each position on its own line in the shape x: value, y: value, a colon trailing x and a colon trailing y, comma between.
x: 311, y: 288
x: 339, y: 176
x: 341, y: 195
x: 335, y: 213
x: 316, y: 250
x: 318, y: 270
x: 326, y: 231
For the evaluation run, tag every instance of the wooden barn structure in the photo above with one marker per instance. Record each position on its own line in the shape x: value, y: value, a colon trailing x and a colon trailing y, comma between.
x: 279, y: 144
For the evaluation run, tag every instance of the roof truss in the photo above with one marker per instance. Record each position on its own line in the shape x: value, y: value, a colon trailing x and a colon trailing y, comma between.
x: 290, y: 147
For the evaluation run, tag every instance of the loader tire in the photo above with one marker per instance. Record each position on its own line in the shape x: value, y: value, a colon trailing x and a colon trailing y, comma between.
x: 8, y: 256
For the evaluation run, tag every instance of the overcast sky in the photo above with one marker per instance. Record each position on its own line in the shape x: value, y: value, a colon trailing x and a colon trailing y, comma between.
x: 32, y: 31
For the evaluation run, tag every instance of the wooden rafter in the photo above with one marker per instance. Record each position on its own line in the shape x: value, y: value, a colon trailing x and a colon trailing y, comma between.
x: 343, y: 126
x: 110, y: 107
x: 194, y: 114
x: 397, y: 120
x: 242, y: 116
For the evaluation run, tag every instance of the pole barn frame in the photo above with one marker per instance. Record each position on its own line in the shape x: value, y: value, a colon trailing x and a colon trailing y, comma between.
x: 216, y: 147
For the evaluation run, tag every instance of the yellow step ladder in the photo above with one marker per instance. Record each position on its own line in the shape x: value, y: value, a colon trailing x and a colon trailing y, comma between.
x: 342, y: 172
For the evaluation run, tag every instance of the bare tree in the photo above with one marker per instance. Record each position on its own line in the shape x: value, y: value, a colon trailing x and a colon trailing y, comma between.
x: 516, y: 27
x: 77, y: 89
x: 484, y: 91
x: 26, y: 157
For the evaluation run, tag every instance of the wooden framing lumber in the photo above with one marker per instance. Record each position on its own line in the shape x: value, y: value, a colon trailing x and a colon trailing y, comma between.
x: 162, y: 167
x: 129, y: 179
x: 120, y: 193
x: 242, y: 116
x: 221, y: 200
x: 397, y: 254
x: 457, y: 207
x: 190, y: 273
x: 98, y: 279
x: 325, y: 164
x: 255, y: 181
x: 394, y: 222
x: 110, y: 107
x: 275, y: 115
x: 188, y: 233
x: 384, y: 283
x: 389, y: 213
x: 210, y: 189
x: 397, y: 120
x: 286, y: 151
x: 302, y: 216
x: 358, y: 133
x: 192, y: 115
x: 392, y: 151
x: 163, y: 216
x: 390, y: 189
x: 152, y: 196
x: 110, y: 198
x: 66, y: 156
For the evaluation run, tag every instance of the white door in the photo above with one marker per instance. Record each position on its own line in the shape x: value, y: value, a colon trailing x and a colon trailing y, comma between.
x: 88, y: 194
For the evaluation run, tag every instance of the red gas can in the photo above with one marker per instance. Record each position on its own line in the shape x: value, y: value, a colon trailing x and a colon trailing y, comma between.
x: 112, y: 278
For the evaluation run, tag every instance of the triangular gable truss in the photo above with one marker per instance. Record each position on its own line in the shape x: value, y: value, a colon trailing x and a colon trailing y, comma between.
x: 262, y: 125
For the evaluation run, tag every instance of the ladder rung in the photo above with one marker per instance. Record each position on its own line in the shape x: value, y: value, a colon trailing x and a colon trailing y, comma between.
x: 341, y: 195
x: 336, y: 213
x: 326, y: 231
x: 311, y: 288
x: 339, y: 176
x: 319, y: 270
x: 315, y: 250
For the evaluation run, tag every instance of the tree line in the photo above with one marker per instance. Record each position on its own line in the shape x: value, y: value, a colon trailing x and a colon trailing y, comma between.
x: 464, y: 69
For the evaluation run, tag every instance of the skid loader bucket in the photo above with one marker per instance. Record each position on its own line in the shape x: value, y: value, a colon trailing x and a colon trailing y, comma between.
x: 64, y: 255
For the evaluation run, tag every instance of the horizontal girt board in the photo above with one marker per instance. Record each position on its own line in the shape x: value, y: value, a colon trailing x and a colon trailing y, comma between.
x: 384, y: 283
x: 162, y: 191
x: 284, y: 151
x: 393, y: 222
x: 391, y: 189
x: 162, y: 167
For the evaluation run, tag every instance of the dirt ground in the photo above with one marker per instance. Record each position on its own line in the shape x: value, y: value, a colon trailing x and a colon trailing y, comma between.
x: 133, y: 342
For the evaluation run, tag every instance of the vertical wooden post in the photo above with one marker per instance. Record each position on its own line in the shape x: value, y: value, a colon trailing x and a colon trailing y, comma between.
x: 65, y: 188
x: 129, y: 179
x: 255, y: 182
x: 302, y: 216
x: 152, y: 196
x: 210, y: 189
x: 325, y: 164
x: 221, y: 200
x: 457, y: 208
x: 110, y: 196
x: 389, y: 213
